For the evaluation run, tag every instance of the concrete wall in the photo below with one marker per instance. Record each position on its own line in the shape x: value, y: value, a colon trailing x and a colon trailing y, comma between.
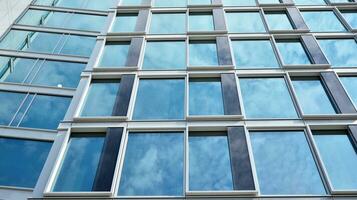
x: 9, y: 11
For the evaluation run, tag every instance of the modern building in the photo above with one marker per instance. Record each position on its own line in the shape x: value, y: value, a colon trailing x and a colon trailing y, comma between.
x: 178, y: 99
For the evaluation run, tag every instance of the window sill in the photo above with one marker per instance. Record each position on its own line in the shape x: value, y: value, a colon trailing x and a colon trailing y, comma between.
x: 111, y: 69
x: 101, y: 119
x: 329, y: 116
x: 77, y: 194
x: 222, y: 193
x: 214, y: 117
x: 309, y: 66
x: 218, y: 67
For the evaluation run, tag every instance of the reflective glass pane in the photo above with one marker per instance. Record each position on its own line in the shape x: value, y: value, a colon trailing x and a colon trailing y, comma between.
x: 239, y: 2
x: 153, y: 165
x: 203, y: 53
x: 165, y: 55
x: 10, y: 103
x: 80, y: 164
x: 284, y: 164
x: 85, y: 22
x: 160, y: 99
x: 201, y: 22
x: 84, y: 4
x: 199, y: 2
x: 98, y: 5
x: 14, y: 40
x: 312, y: 97
x: 322, y: 21
x: 209, y: 160
x: 244, y: 22
x: 101, y: 98
x: 340, y: 52
x: 164, y: 23
x: 266, y: 98
x: 206, y: 97
x: 293, y: 53
x: 125, y: 23
x: 278, y: 21
x: 254, y: 54
x: 131, y: 2
x: 37, y: 40
x: 19, y: 71
x: 33, y: 17
x: 351, y: 18
x: 169, y: 3
x: 310, y: 2
x: 268, y: 1
x: 22, y: 161
x: 79, y: 45
x: 339, y: 157
x: 115, y: 54
x: 350, y: 83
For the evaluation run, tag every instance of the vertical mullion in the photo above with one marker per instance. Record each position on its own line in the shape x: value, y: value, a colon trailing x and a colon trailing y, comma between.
x: 223, y: 50
x: 122, y: 100
x: 230, y: 95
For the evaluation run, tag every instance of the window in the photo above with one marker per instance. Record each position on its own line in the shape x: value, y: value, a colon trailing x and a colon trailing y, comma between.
x: 244, y: 22
x: 209, y: 160
x: 125, y: 23
x: 171, y: 3
x: 165, y: 55
x: 78, y: 45
x: 131, y: 2
x: 269, y: 1
x: 350, y: 82
x: 341, y: 1
x: 168, y: 23
x: 322, y: 21
x: 160, y: 99
x: 101, y: 98
x: 84, y: 4
x: 312, y: 96
x: 339, y: 157
x: 293, y: 53
x: 284, y: 164
x: 203, y: 53
x: 201, y: 21
x: 153, y: 165
x: 310, y: 2
x: 199, y: 2
x: 254, y: 54
x: 350, y: 17
x: 115, y: 54
x: 206, y: 96
x: 22, y: 161
x: 10, y: 102
x: 266, y: 98
x: 340, y: 52
x: 239, y: 3
x: 278, y: 21
x: 80, y: 164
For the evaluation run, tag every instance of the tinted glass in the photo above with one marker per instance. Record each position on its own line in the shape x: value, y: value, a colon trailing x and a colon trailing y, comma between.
x: 268, y: 1
x: 339, y: 157
x: 284, y: 164
x: 78, y: 45
x: 173, y: 23
x: 254, y: 54
x: 322, y: 21
x: 244, y: 22
x: 350, y: 82
x: 310, y: 2
x: 165, y: 55
x: 340, y: 52
x: 20, y: 69
x: 206, y: 97
x: 153, y: 165
x: 115, y: 54
x: 312, y: 97
x: 33, y: 17
x: 199, y: 2
x: 351, y: 18
x: 131, y: 2
x: 201, y: 22
x: 85, y: 4
x: 266, y: 98
x: 278, y: 21
x: 160, y: 99
x: 171, y: 3
x: 293, y: 53
x: 209, y: 160
x: 101, y: 98
x: 10, y: 102
x: 22, y: 161
x: 125, y: 23
x: 51, y: 40
x: 80, y: 164
x: 14, y: 40
x: 239, y: 2
x: 203, y: 54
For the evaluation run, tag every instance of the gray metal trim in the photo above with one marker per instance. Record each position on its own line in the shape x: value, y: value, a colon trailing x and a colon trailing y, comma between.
x: 123, y: 97
x: 296, y: 18
x: 336, y: 90
x: 352, y: 130
x: 54, y: 30
x: 146, y: 2
x: 108, y: 23
x: 288, y: 1
x: 4, y: 86
x: 134, y: 52
x: 230, y: 95
x: 218, y: 19
x: 314, y: 50
x: 224, y: 51
x: 217, y: 2
x: 94, y: 55
x: 142, y: 20
x: 71, y: 10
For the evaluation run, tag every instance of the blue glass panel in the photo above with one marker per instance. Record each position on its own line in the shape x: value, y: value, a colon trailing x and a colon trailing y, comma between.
x: 19, y: 71
x: 322, y: 21
x: 125, y: 23
x: 115, y: 54
x: 56, y: 19
x: 284, y: 164
x: 350, y: 84
x: 269, y: 1
x: 199, y: 2
x: 340, y: 52
x: 239, y: 2
x: 160, y: 99
x: 203, y: 53
x: 84, y: 4
x: 22, y: 161
x: 39, y: 38
x: 351, y: 18
x: 172, y: 23
x: 10, y: 103
x: 153, y: 165
x: 293, y: 53
x: 14, y: 40
x: 45, y: 112
x: 165, y: 55
x: 131, y: 2
x: 169, y: 3
x: 201, y: 22
x: 22, y: 110
x: 312, y: 97
x: 278, y: 21
x: 33, y: 17
x: 80, y: 165
x: 79, y: 45
x: 85, y: 22
x: 206, y: 97
x: 244, y: 22
x: 99, y: 5
x: 339, y: 157
x: 310, y: 2
x: 254, y: 54
x: 266, y: 98
x: 44, y: 2
x: 209, y: 160
x: 99, y: 90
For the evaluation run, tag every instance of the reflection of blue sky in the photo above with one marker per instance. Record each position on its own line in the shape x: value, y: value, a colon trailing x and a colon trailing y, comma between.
x: 80, y: 164
x: 85, y: 4
x: 199, y: 2
x: 350, y: 84
x: 172, y: 23
x: 115, y: 55
x: 239, y: 2
x: 244, y: 22
x: 203, y: 54
x: 266, y: 98
x: 40, y: 38
x: 340, y: 52
x: 160, y: 99
x: 254, y: 54
x: 86, y: 22
x: 22, y: 161
x: 310, y: 2
x: 100, y: 99
x: 20, y: 70
x: 14, y: 40
x: 165, y: 55
x: 339, y: 158
x: 210, y: 167
x: 284, y: 164
x: 131, y: 2
x: 322, y: 21
x: 169, y: 3
x: 153, y: 165
x: 312, y: 97
x: 293, y: 53
x: 268, y: 1
x: 351, y: 18
x: 206, y: 97
x: 10, y: 102
x: 33, y: 17
x: 124, y: 23
x: 201, y: 22
x: 278, y: 21
x: 79, y: 45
